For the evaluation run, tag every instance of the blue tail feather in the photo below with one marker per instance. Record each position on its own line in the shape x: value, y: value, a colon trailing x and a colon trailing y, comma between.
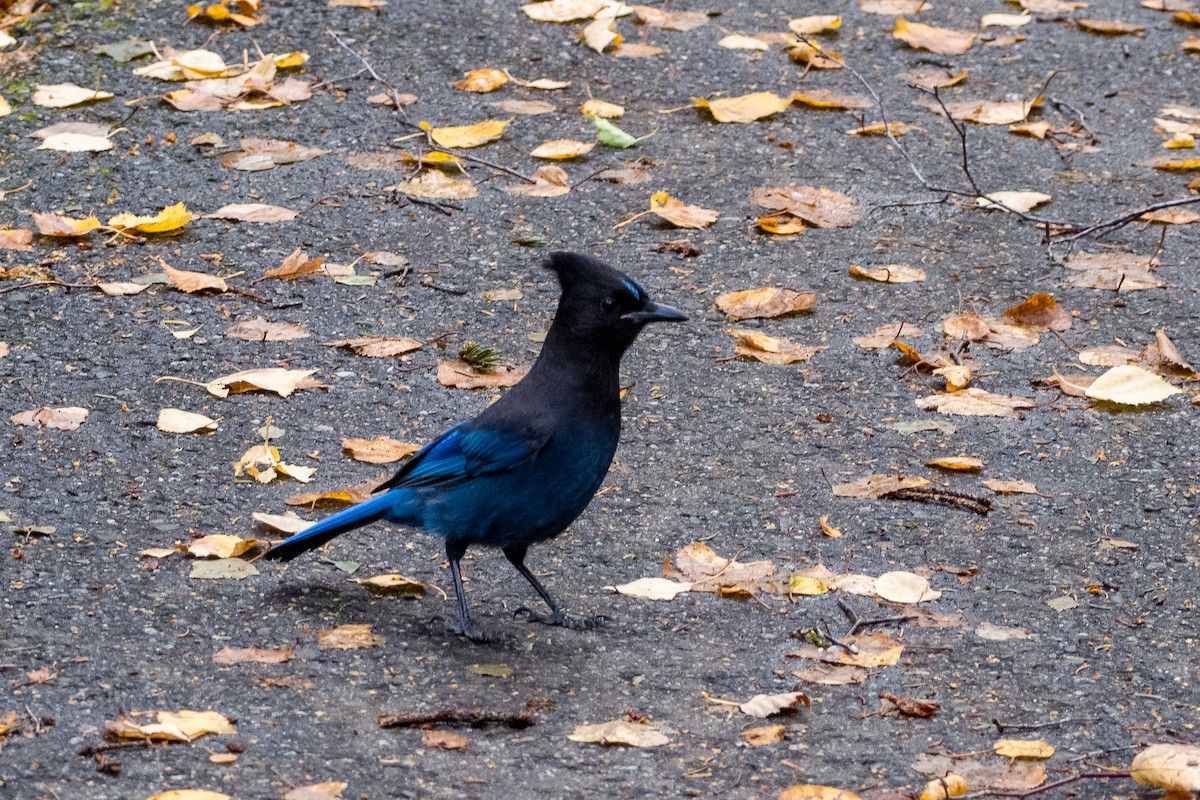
x: 319, y: 533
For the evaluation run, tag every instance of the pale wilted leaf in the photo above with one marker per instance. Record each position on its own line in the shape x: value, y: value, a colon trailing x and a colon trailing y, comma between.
x: 253, y: 212
x: 601, y: 109
x: 392, y: 585
x: 222, y: 569
x: 943, y: 41
x: 822, y: 207
x: 874, y: 650
x: 1131, y: 386
x: 1023, y: 748
x: 349, y: 637
x: 740, y: 41
x: 443, y: 740
x: 1012, y: 487
x: 252, y: 655
x: 461, y: 375
x: 262, y: 154
x: 526, y: 107
x: 987, y: 112
x: 1041, y: 312
x: 768, y: 705
x: 563, y: 10
x: 892, y: 8
x: 64, y: 95
x: 1127, y: 272
x: 832, y: 674
x: 746, y: 108
x: 176, y: 420
x: 826, y: 99
x: 1173, y: 767
x: 1105, y: 27
x: 171, y: 726
x: 295, y: 265
x: 620, y: 732
x: 221, y: 545
x: 812, y: 791
x: 670, y: 20
x: 19, y: 239
x: 905, y: 587
x: 765, y: 303
x: 67, y: 418
x: 764, y: 735
x: 1164, y: 357
x: 258, y: 329
x: 974, y: 402
x: 770, y: 349
x: 876, y: 486
x: 380, y: 450
x: 808, y: 26
x: 122, y: 288
x: 997, y: 633
x: 1005, y: 20
x: 1023, y: 202
x: 379, y: 346
x: 287, y: 523
x: 934, y: 78
x: 437, y: 185
x: 816, y: 57
x: 709, y: 572
x: 271, y: 379
x: 562, y: 149
x: 191, y: 282
x: 653, y: 588
x: 549, y: 181
x: 328, y: 790
x: 883, y: 336
x: 891, y: 273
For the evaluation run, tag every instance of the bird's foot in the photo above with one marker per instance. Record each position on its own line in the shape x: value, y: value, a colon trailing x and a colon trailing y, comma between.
x: 563, y: 620
x: 477, y: 633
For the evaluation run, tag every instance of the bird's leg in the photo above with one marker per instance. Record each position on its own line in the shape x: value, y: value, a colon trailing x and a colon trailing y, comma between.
x: 464, y: 626
x: 557, y: 616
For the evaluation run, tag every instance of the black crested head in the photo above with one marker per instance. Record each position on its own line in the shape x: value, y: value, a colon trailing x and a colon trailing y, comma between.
x: 601, y: 308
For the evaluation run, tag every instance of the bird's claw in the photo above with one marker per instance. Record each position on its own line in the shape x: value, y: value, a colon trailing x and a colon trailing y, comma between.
x: 563, y: 620
x: 477, y: 633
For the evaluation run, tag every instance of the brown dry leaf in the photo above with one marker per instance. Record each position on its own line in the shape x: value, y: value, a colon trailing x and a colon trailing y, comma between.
x: 49, y: 224
x: 709, y: 572
x: 380, y: 450
x: 600, y: 108
x: 815, y: 57
x: 996, y: 633
x: 957, y: 376
x: 1128, y: 271
x: 563, y: 10
x: 561, y: 149
x: 956, y: 463
x: 1036, y: 749
x: 1130, y: 386
x: 780, y: 224
x: 974, y: 402
x: 437, y: 185
x: 329, y: 790
x: 746, y: 108
x: 1108, y: 356
x: 942, y: 41
x: 1022, y: 202
x: 67, y: 418
x: 171, y: 726
x: 252, y: 655
x: 122, y: 288
x: 1173, y: 767
x: 481, y: 81
x: 19, y: 239
x: 379, y: 346
x: 549, y: 181
x: 349, y: 637
x: 942, y: 788
x: 1012, y: 487
x: 287, y: 523
x: 620, y: 732
x: 258, y: 329
x: 1041, y: 312
x: 741, y: 41
x: 652, y: 588
x: 670, y: 20
x: 334, y: 498
x: 253, y: 212
x: 1104, y: 27
x: 1007, y: 777
x: 1073, y: 385
x: 1171, y: 216
x: 443, y: 740
x: 765, y: 303
x: 1164, y: 357
x: 821, y: 207
x: 873, y: 487
x: 1033, y: 130
x: 295, y: 265
x: 764, y: 735
x: 987, y: 112
x: 467, y: 136
x: 262, y: 154
x: 770, y: 349
x: 911, y: 707
x: 681, y: 214
x: 815, y: 25
x: 65, y: 95
x: 221, y: 545
x: 1177, y: 165
x: 883, y: 336
x: 826, y: 99
x: 461, y: 375
x: 525, y: 107
x: 892, y: 273
x: 392, y: 585
x: 892, y: 8
x: 905, y: 587
x: 832, y: 675
x: 812, y: 791
x: 271, y: 379
x: 934, y: 78
x: 191, y: 282
x: 175, y: 420
x: 874, y: 650
x: 879, y: 129
x: 768, y: 705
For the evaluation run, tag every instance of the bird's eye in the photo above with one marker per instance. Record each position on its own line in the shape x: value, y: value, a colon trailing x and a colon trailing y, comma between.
x: 609, y: 303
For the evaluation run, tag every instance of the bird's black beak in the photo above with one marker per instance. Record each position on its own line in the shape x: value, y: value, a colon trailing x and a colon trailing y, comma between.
x: 655, y: 312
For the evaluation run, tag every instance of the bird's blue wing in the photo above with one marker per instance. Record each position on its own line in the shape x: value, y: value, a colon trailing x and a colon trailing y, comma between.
x: 462, y: 453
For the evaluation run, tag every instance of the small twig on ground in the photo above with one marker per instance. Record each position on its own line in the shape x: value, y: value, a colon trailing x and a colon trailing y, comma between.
x: 445, y: 208
x: 857, y: 623
x: 32, y: 284
x: 475, y: 717
x: 1001, y: 727
x: 849, y: 648
x: 1132, y: 216
x: 961, y: 129
x: 96, y: 749
x: 332, y: 81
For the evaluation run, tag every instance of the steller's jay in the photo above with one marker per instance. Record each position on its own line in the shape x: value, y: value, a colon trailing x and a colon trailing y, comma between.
x: 525, y: 468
